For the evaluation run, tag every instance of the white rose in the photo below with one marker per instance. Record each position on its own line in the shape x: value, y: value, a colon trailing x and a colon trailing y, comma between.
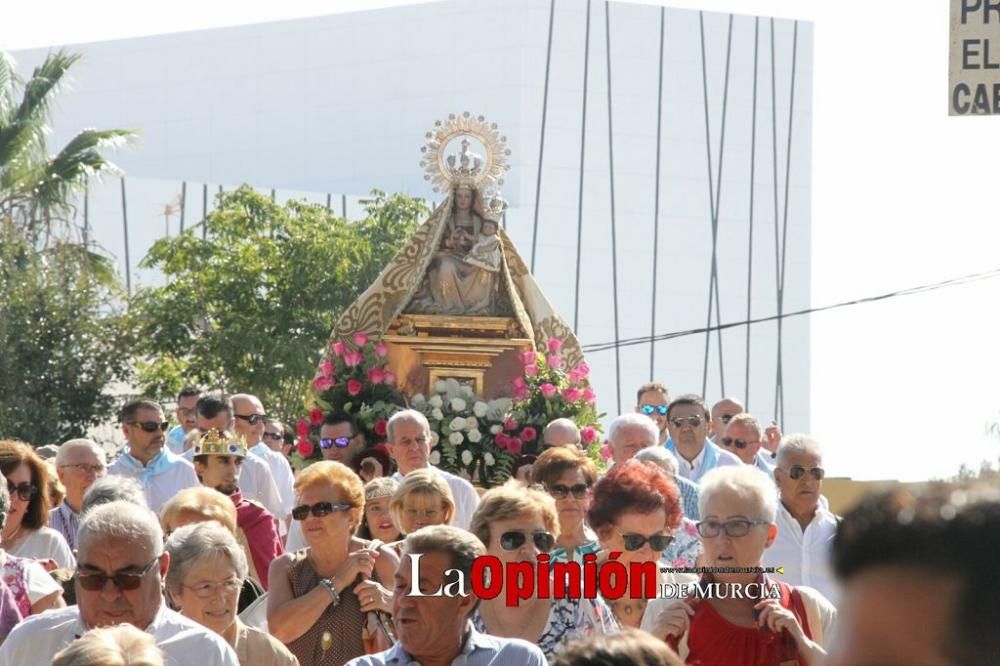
x: 418, y: 401
x: 480, y: 409
x: 471, y: 422
x: 434, y: 439
x: 496, y: 429
x: 474, y: 436
x: 437, y: 415
x: 440, y: 386
x: 466, y: 457
x: 457, y: 405
x: 435, y: 458
x: 466, y: 392
x: 456, y: 438
x: 489, y: 459
x: 457, y: 423
x: 436, y: 402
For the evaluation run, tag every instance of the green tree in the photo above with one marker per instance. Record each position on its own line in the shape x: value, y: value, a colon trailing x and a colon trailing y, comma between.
x: 250, y: 306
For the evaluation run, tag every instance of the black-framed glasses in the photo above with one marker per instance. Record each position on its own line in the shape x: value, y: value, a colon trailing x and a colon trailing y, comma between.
x: 649, y: 410
x: 252, y: 419
x: 543, y: 541
x: 151, y: 426
x: 738, y: 527
x: 560, y: 491
x: 738, y: 443
x: 24, y: 490
x: 319, y: 509
x: 94, y: 581
x: 657, y: 542
x: 276, y: 436
x: 330, y: 442
x: 681, y: 421
x: 87, y: 468
x: 208, y: 590
x: 795, y: 472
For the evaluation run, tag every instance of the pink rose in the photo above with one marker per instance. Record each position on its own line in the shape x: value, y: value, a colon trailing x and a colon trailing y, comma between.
x: 606, y: 452
x: 548, y: 390
x: 583, y: 370
x: 517, y: 383
x: 326, y: 368
x: 316, y: 416
x: 573, y: 376
x: 521, y: 392
x: 589, y: 395
x: 515, y: 445
x: 555, y: 344
x: 531, y: 370
x: 529, y: 434
x: 501, y: 440
x: 360, y: 339
x: 571, y: 394
x: 339, y: 348
x: 322, y: 383
x: 376, y: 375
x: 353, y: 387
x: 381, y: 427
x: 555, y: 361
x: 305, y: 448
x: 381, y: 349
x: 588, y: 435
x: 302, y: 428
x: 528, y: 358
x: 390, y: 378
x: 354, y: 358
x: 510, y: 424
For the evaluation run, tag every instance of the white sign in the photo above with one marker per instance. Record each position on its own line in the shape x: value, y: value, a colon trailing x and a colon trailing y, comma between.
x: 974, y: 58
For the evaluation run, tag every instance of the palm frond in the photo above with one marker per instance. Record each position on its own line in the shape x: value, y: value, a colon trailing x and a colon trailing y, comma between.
x: 9, y: 81
x: 79, y: 160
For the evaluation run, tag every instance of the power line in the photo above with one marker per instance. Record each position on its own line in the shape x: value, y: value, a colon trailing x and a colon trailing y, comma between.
x: 953, y: 282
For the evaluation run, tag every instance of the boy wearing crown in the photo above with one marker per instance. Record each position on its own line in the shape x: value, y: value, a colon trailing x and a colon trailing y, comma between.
x: 218, y: 458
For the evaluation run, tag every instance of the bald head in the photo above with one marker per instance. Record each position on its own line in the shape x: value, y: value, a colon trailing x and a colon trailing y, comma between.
x: 248, y: 417
x: 561, y: 432
x: 722, y: 412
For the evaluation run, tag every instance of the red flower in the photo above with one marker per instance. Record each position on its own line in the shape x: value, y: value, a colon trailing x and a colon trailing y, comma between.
x: 381, y: 349
x: 555, y: 344
x: 322, y: 383
x: 354, y: 358
x: 588, y: 435
x: 510, y: 424
x: 380, y: 427
x: 606, y: 452
x: 515, y: 445
x: 589, y: 395
x: 521, y: 392
x: 305, y: 448
x: 527, y: 358
x: 326, y: 368
x: 315, y: 416
x: 529, y: 434
x: 548, y: 390
x: 302, y: 428
x: 360, y: 339
x: 517, y: 383
x: 531, y: 370
x: 501, y: 440
x: 376, y: 375
x: 354, y: 387
x: 339, y: 348
x: 571, y: 394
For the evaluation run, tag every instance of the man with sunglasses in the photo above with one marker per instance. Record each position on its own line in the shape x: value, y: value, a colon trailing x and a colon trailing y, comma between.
x: 186, y: 401
x: 245, y: 406
x: 144, y: 458
x: 688, y: 424
x: 743, y: 437
x: 806, y: 527
x: 119, y: 581
x: 652, y: 400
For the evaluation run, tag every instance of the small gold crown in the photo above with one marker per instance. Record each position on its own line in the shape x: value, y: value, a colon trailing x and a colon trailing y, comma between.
x: 221, y: 443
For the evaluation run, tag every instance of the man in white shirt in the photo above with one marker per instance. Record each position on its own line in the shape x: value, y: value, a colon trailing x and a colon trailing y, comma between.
x: 409, y: 436
x: 119, y: 580
x: 160, y: 473
x: 79, y: 462
x: 743, y: 437
x: 244, y: 407
x: 687, y: 423
x: 806, y: 527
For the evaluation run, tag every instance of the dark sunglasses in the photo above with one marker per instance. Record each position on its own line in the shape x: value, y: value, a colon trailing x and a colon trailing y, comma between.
x: 657, y: 542
x: 25, y: 490
x: 319, y: 509
x: 544, y: 541
x: 95, y: 582
x: 649, y: 409
x: 795, y: 472
x: 738, y: 443
x: 253, y: 419
x: 578, y: 490
x: 273, y: 435
x: 151, y: 426
x: 680, y: 421
x: 339, y: 442
x: 726, y: 418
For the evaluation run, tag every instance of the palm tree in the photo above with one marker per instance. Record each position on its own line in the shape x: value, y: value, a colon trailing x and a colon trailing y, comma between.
x: 36, y: 187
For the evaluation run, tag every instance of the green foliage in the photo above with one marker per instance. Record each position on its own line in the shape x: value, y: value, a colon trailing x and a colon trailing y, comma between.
x: 249, y: 307
x: 61, y: 341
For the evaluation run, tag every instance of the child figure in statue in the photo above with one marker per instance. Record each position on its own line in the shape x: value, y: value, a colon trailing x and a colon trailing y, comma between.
x: 486, y: 252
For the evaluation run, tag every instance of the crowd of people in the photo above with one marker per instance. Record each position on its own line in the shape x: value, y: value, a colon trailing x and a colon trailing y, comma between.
x: 198, y: 544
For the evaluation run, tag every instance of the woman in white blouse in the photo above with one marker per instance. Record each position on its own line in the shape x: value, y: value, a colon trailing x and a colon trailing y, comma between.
x: 26, y: 533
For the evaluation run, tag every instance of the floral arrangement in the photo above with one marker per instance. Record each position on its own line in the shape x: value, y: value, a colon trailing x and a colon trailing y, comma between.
x: 354, y: 380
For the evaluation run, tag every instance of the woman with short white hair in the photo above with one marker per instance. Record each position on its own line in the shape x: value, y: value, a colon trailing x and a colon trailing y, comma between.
x: 741, y: 615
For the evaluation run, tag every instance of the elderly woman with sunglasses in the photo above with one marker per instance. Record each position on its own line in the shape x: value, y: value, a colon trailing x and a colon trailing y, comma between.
x: 742, y: 616
x: 204, y: 580
x: 517, y: 523
x: 568, y: 475
x: 26, y: 533
x: 31, y: 588
x: 319, y: 596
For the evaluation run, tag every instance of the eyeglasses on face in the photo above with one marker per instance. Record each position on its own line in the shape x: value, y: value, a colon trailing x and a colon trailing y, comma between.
x: 726, y: 418
x: 681, y: 421
x: 276, y: 436
x: 24, y: 490
x: 649, y: 410
x: 413, y: 513
x: 738, y: 443
x: 94, y: 581
x: 253, y: 419
x: 208, y: 590
x: 657, y: 542
x: 560, y: 491
x: 795, y: 472
x: 543, y: 541
x: 330, y: 442
x: 87, y: 468
x: 319, y: 509
x: 151, y: 426
x: 738, y: 527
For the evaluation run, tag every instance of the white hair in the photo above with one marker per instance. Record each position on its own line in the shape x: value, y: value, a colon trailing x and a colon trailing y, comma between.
x: 797, y: 443
x: 120, y: 645
x: 121, y: 520
x: 634, y: 420
x: 409, y: 416
x: 753, y: 487
x: 67, y: 447
x: 190, y: 543
x: 664, y: 459
x: 112, y: 488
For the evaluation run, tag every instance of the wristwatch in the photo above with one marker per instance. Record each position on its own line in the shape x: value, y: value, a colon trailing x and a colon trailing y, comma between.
x: 334, y: 595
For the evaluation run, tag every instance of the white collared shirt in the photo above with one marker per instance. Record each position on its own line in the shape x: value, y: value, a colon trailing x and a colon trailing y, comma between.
x: 805, y: 554
x: 38, y: 638
x: 694, y: 470
x: 281, y: 474
x: 175, y: 475
x: 466, y: 497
